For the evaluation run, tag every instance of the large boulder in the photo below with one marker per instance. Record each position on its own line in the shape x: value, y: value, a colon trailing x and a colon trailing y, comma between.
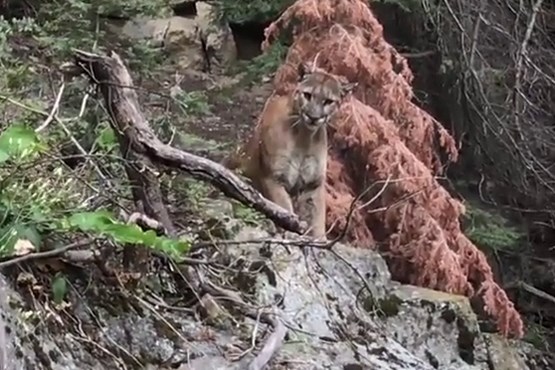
x: 195, y: 42
x: 341, y: 309
x: 218, y: 39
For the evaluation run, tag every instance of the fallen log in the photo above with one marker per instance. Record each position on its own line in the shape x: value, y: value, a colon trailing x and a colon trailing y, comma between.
x: 116, y: 86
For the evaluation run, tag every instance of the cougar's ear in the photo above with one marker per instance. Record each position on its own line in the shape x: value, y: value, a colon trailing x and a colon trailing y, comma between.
x: 303, y: 69
x: 346, y: 88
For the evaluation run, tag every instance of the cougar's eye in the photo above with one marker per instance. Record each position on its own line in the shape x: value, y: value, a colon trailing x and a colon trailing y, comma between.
x: 307, y: 96
x: 328, y: 102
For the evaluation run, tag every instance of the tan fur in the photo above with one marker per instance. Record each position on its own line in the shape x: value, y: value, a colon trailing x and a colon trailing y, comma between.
x: 286, y: 157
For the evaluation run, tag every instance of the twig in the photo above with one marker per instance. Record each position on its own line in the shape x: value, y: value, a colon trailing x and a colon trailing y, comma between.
x: 23, y: 106
x: 299, y: 242
x: 532, y: 290
x: 306, y: 241
x: 80, y: 148
x: 272, y: 345
x: 253, y: 341
x: 475, y: 33
x: 159, y: 302
x: 420, y: 54
x: 62, y: 124
x: 526, y: 156
x: 518, y: 67
x: 275, y: 340
x: 353, y: 207
x: 46, y: 254
x: 156, y: 313
x: 378, y: 194
x: 53, y: 111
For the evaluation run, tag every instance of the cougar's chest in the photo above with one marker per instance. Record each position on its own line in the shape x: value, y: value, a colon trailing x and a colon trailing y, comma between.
x: 301, y: 170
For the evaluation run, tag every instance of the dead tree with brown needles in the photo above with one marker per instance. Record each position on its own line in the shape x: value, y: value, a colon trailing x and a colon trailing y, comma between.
x: 381, y: 134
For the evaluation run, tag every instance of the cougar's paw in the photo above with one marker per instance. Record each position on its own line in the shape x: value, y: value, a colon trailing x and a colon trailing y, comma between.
x: 289, y: 235
x: 303, y: 225
x: 321, y: 239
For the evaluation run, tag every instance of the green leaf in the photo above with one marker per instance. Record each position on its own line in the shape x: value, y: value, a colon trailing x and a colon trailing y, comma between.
x: 11, y: 233
x: 106, y: 139
x: 3, y: 156
x: 8, y: 237
x: 103, y: 223
x: 123, y: 233
x: 30, y: 233
x: 59, y: 288
x: 172, y: 247
x: 18, y: 141
x: 91, y: 221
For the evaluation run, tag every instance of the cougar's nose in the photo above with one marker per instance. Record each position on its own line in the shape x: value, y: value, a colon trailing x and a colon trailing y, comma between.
x: 310, y: 119
x: 313, y: 115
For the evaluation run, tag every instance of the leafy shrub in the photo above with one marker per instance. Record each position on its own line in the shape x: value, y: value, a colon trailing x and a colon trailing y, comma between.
x: 259, y: 11
x: 30, y: 207
x: 490, y: 230
x: 263, y: 64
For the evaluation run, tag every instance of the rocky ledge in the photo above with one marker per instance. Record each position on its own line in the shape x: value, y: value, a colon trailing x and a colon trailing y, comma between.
x: 339, y: 309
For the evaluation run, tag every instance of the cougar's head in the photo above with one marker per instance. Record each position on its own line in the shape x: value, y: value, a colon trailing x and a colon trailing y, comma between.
x: 318, y: 95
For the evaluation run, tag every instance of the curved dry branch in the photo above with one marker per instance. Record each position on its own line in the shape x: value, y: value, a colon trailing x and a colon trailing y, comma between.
x: 274, y: 341
x: 136, y: 136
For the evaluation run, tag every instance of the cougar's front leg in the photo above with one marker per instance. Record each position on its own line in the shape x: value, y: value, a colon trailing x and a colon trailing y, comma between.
x: 312, y: 208
x: 276, y: 192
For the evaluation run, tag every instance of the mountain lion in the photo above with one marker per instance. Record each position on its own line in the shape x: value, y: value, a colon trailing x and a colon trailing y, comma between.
x: 286, y: 157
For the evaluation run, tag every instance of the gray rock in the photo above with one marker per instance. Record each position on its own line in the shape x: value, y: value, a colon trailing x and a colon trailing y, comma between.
x: 183, y: 43
x: 218, y: 39
x: 8, y: 360
x: 145, y: 28
x: 179, y: 36
x: 341, y: 309
x: 198, y: 43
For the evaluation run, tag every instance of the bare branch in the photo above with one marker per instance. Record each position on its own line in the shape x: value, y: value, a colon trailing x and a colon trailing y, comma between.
x: 46, y: 254
x: 273, y: 343
x: 120, y: 98
x: 54, y: 110
x: 532, y: 290
x: 519, y: 70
